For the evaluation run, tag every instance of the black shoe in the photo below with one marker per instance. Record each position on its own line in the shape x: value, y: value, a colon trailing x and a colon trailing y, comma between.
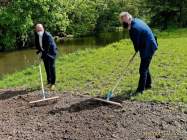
x: 139, y: 91
x: 136, y: 93
x: 148, y: 87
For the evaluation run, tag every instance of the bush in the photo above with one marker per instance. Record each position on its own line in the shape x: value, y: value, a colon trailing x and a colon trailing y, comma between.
x: 18, y: 18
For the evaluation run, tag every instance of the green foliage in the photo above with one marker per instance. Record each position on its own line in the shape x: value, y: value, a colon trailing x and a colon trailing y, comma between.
x: 81, y: 17
x: 51, y: 13
x: 108, y: 18
x: 18, y: 18
x: 88, y: 16
x: 166, y: 13
x: 96, y: 71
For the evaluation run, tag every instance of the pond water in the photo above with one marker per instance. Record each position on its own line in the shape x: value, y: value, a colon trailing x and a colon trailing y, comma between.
x: 17, y: 60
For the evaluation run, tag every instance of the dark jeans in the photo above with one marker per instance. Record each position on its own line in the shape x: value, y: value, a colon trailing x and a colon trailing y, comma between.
x: 50, y: 69
x: 145, y: 76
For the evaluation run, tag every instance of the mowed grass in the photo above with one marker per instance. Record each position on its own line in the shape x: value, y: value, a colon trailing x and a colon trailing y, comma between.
x: 96, y: 71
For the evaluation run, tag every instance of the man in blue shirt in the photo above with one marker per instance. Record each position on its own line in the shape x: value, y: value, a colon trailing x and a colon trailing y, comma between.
x: 145, y: 43
x: 47, y: 49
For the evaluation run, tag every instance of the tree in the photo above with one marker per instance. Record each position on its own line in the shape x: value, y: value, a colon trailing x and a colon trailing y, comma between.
x: 82, y: 16
x: 167, y: 12
x: 19, y: 17
x: 109, y: 13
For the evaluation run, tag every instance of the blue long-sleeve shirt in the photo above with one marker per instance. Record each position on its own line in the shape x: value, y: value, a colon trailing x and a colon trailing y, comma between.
x: 143, y: 38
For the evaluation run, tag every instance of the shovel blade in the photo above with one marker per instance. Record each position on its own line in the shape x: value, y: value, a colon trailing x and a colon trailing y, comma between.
x: 109, y: 102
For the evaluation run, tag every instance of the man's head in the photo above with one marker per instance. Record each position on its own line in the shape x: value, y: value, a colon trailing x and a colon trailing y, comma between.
x: 125, y: 19
x: 39, y: 29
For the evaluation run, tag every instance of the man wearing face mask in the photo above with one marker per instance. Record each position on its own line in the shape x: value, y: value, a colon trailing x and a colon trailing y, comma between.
x: 47, y: 50
x: 145, y: 43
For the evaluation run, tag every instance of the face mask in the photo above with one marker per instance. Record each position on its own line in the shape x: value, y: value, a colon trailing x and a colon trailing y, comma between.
x: 125, y: 25
x: 40, y: 33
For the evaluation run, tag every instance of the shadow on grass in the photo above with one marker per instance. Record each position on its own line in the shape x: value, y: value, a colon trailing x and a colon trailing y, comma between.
x: 90, y: 104
x: 123, y: 96
x: 6, y: 94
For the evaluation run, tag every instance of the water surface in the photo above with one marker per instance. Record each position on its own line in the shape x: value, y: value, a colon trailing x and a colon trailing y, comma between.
x: 17, y: 60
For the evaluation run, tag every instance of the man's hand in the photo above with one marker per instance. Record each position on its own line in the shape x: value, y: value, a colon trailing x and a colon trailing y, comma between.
x: 132, y: 58
x: 40, y: 54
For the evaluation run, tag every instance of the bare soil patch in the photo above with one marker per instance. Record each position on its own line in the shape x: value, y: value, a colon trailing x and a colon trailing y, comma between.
x: 81, y: 118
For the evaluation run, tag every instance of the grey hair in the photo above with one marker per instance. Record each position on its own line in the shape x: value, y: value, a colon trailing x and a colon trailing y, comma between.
x: 39, y: 25
x: 122, y: 14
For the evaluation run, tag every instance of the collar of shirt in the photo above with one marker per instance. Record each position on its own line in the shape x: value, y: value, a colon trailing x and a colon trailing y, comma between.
x: 40, y: 42
x: 130, y: 26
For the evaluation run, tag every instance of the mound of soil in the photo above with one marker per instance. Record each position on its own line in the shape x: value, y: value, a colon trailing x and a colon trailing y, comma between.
x: 81, y: 118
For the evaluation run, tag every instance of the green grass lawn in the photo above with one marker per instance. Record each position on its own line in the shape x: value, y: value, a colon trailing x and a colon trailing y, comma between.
x: 96, y: 71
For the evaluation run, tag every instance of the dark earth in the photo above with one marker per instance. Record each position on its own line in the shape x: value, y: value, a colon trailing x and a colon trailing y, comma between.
x: 75, y: 117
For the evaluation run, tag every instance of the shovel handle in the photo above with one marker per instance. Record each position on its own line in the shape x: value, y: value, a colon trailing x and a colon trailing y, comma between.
x: 132, y: 58
x: 130, y: 61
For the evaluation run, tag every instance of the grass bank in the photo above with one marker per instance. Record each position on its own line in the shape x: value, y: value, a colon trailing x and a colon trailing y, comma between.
x: 96, y: 70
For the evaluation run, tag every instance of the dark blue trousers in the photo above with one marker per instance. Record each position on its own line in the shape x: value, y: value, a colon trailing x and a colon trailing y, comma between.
x: 49, y: 64
x: 145, y: 76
